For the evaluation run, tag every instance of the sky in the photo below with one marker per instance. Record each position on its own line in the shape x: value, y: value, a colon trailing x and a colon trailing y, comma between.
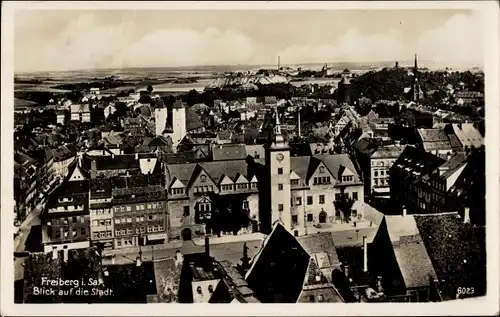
x: 56, y: 40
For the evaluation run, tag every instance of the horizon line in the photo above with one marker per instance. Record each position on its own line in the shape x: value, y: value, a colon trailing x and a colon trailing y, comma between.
x: 470, y: 65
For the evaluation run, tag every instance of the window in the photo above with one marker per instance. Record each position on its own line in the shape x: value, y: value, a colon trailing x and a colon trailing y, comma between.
x: 245, y: 204
x: 118, y: 243
x: 196, y: 189
x: 203, y: 178
x: 129, y: 220
x: 205, y: 188
x: 82, y: 219
x: 95, y: 223
x: 58, y: 234
x: 101, y: 222
x: 253, y: 185
x: 117, y: 221
x: 375, y: 173
x: 338, y: 196
x: 309, y: 200
x: 96, y: 235
x: 149, y: 206
x: 321, y: 169
x: 347, y: 178
x: 310, y: 217
x: 382, y: 173
x: 210, y: 289
x: 186, y: 211
x: 211, y: 188
x: 315, y: 182
x: 321, y: 199
x: 328, y: 180
x: 280, y: 207
x: 294, y: 182
x: 280, y: 186
x: 355, y: 195
x: 198, y: 290
x: 280, y: 170
x: 311, y: 298
x: 129, y: 208
x: 376, y: 181
x: 73, y: 233
x: 298, y: 201
x: 295, y: 219
x: 137, y: 219
x: 129, y: 231
x: 117, y: 232
x: 108, y: 222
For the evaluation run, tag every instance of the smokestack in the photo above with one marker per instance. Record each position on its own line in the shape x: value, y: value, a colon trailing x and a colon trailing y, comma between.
x: 93, y: 169
x: 207, y: 246
x: 466, y: 215
x: 299, y: 123
x: 346, y: 271
x: 65, y: 254
x: 365, y: 254
x: 404, y: 211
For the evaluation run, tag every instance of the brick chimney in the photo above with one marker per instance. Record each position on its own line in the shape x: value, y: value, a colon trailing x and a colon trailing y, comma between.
x: 65, y: 255
x: 93, y: 169
x: 207, y: 246
x: 365, y: 254
x: 466, y: 215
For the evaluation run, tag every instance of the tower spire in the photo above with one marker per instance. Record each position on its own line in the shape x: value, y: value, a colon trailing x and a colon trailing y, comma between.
x: 416, y: 65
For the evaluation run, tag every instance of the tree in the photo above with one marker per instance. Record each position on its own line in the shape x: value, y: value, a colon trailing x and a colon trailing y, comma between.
x: 344, y: 205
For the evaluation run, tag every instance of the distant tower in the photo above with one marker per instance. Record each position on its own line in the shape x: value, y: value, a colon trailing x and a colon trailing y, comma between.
x: 344, y: 91
x: 178, y: 123
x: 278, y: 63
x: 416, y: 90
x: 161, y: 115
x: 396, y: 65
x: 277, y: 206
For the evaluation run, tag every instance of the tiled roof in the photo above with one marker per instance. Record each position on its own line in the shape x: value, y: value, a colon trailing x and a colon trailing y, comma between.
x: 455, y: 252
x: 167, y: 276
x: 411, y: 255
x: 468, y: 135
x: 433, y: 135
x: 229, y: 152
x: 321, y: 243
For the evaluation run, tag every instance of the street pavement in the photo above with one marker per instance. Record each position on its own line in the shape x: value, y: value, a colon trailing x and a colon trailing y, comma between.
x: 233, y: 251
x: 33, y: 219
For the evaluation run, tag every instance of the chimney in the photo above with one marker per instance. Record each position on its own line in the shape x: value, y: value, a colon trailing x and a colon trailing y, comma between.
x: 65, y: 254
x: 442, y: 170
x: 179, y: 258
x: 404, y: 211
x: 365, y: 254
x: 93, y: 169
x: 380, y: 289
x: 466, y: 215
x: 207, y: 246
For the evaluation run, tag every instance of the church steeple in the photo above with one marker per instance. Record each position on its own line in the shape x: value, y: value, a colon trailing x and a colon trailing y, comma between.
x: 415, y: 67
x: 416, y: 89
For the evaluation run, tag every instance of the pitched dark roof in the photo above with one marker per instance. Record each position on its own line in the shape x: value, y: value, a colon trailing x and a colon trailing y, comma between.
x: 455, y: 252
x: 229, y: 152
x: 278, y: 271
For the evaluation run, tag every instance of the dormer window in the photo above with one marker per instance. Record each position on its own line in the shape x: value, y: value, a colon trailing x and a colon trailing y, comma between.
x: 347, y: 178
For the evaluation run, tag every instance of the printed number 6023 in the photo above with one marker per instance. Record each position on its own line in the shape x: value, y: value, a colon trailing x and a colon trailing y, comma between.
x: 465, y: 291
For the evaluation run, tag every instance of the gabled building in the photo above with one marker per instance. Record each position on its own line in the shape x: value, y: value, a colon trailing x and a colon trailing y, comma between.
x: 300, y: 191
x: 399, y: 256
x: 203, y: 196
x: 284, y: 272
x: 375, y: 161
x: 80, y: 112
x: 435, y: 141
x: 65, y: 220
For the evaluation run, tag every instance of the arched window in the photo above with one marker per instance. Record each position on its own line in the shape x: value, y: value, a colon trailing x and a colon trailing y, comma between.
x: 210, y: 289
x: 198, y: 290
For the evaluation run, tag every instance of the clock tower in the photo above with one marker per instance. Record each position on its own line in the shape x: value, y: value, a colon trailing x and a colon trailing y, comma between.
x: 277, y: 204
